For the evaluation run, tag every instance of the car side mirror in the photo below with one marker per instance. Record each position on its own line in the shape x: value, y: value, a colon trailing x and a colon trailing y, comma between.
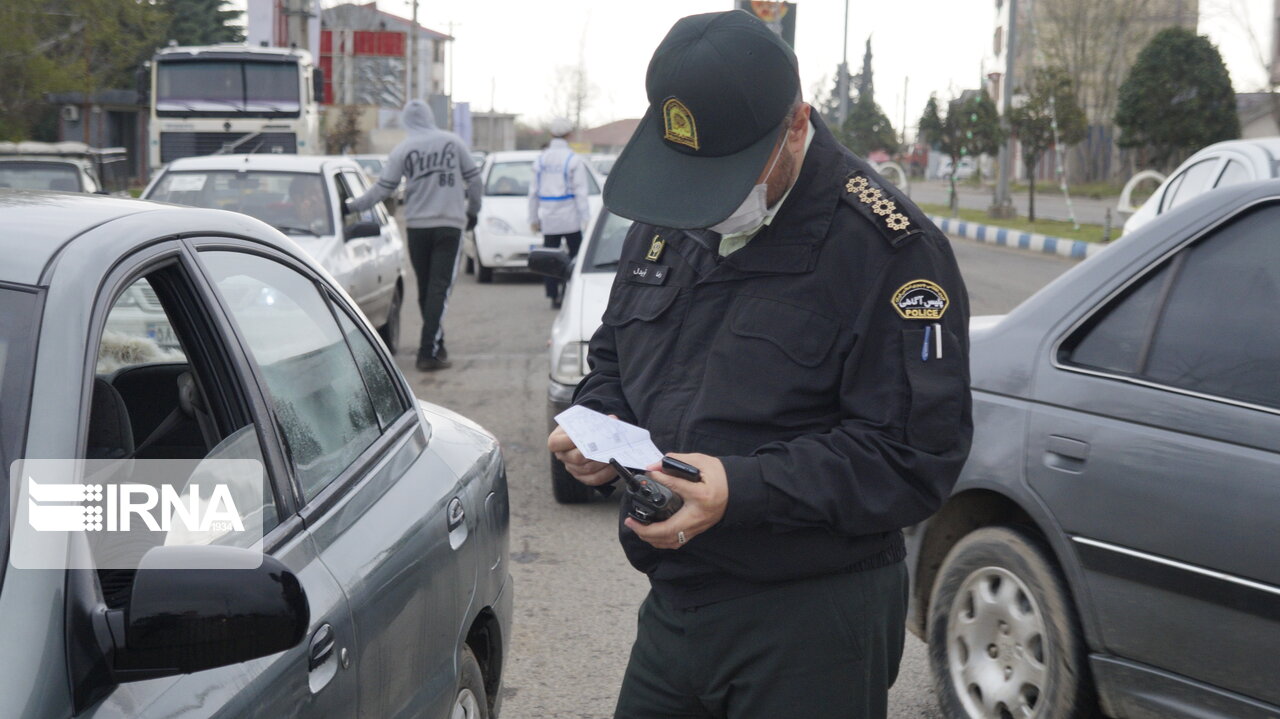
x: 361, y: 228
x: 188, y: 620
x: 550, y: 262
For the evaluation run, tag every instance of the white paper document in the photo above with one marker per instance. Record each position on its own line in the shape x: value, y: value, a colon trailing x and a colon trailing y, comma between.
x: 601, y: 437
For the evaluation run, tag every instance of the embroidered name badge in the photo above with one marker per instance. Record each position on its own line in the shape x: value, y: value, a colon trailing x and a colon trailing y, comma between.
x: 920, y: 300
x: 644, y: 274
x: 678, y: 124
x: 655, y: 248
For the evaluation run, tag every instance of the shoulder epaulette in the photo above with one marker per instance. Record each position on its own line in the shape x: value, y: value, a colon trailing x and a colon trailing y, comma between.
x: 881, y: 207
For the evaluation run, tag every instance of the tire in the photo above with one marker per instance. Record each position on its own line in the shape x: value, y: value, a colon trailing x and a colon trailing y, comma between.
x: 469, y: 702
x: 390, y: 330
x: 1004, y: 638
x: 564, y: 487
x: 484, y: 275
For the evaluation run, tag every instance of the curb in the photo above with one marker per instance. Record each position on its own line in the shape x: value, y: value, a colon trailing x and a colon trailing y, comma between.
x: 1005, y: 237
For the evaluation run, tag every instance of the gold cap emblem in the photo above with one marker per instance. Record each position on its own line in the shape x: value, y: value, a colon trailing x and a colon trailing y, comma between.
x: 679, y: 124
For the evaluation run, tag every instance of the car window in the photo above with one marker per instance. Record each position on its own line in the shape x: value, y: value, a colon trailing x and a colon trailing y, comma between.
x: 606, y: 243
x: 350, y: 184
x: 296, y: 203
x: 509, y: 179
x: 19, y: 313
x: 1115, y: 340
x: 1193, y: 181
x: 319, y: 397
x: 1219, y: 333
x: 387, y: 400
x: 592, y: 187
x: 1204, y: 322
x: 34, y: 175
x: 149, y: 401
x: 1233, y: 174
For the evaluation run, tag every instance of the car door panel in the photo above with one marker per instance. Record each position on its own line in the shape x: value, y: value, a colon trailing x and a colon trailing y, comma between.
x: 1166, y: 526
x: 388, y: 541
x: 273, y: 687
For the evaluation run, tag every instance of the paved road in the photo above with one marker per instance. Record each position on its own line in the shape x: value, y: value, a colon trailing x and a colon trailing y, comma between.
x: 1049, y: 205
x: 575, y: 595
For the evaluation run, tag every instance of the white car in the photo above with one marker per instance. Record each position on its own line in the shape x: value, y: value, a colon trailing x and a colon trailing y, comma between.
x: 502, y: 237
x: 303, y: 196
x: 586, y: 294
x: 964, y: 169
x: 1218, y: 165
x: 64, y: 167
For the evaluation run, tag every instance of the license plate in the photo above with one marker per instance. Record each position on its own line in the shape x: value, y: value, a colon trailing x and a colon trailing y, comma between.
x: 162, y: 333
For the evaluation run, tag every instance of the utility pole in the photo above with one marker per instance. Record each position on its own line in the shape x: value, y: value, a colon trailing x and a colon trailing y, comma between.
x: 842, y: 85
x: 413, y: 54
x: 1003, y: 204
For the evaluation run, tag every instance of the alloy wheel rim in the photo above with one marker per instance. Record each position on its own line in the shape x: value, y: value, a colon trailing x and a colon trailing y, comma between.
x: 466, y: 706
x: 997, y: 643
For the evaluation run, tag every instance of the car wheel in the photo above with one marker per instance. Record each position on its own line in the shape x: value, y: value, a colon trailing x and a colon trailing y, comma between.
x: 484, y: 275
x: 390, y: 330
x: 566, y: 489
x: 1003, y: 636
x: 470, y: 702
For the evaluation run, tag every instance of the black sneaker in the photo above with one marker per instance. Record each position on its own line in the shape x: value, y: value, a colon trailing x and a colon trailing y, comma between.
x: 430, y: 364
x: 443, y: 354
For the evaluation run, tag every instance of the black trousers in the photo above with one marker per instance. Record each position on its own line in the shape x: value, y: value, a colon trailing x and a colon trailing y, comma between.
x: 574, y: 240
x: 823, y: 647
x: 433, y: 251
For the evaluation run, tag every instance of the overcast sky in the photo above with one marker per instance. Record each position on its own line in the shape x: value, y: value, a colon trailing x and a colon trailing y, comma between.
x: 507, y: 52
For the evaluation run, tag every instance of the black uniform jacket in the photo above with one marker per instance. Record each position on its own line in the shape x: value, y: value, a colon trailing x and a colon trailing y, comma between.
x: 825, y: 363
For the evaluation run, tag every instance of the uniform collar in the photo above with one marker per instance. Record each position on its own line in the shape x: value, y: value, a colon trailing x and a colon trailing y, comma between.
x: 558, y: 143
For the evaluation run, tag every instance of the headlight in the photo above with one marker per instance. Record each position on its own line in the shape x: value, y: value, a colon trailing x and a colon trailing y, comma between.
x: 499, y: 226
x: 571, y: 365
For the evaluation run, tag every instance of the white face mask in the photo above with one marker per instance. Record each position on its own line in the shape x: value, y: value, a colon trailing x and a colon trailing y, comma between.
x: 750, y: 215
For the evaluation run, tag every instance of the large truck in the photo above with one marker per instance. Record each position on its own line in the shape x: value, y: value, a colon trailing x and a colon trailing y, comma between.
x: 216, y: 99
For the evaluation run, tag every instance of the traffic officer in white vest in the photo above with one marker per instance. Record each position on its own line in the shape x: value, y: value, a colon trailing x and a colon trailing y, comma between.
x: 558, y: 198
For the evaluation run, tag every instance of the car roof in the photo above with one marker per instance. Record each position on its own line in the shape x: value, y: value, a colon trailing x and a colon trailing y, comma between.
x: 1266, y: 149
x: 36, y: 226
x: 513, y: 156
x: 267, y: 162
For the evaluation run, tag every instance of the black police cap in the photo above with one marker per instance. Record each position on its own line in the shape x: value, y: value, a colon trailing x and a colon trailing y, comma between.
x: 719, y: 87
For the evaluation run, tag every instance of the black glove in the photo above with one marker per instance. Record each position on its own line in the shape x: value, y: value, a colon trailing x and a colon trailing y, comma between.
x: 471, y: 222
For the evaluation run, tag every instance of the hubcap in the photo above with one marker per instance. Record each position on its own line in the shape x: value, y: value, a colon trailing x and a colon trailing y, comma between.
x: 465, y: 706
x: 996, y: 646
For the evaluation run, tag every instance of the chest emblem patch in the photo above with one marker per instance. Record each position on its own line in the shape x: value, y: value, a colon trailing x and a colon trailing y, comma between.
x: 655, y: 248
x: 920, y: 300
x: 678, y: 124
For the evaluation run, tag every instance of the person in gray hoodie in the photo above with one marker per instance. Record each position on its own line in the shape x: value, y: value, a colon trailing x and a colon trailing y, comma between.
x: 441, y: 198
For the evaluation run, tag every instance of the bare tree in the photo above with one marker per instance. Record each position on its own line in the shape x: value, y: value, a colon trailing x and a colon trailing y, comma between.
x: 572, y: 93
x: 1235, y: 13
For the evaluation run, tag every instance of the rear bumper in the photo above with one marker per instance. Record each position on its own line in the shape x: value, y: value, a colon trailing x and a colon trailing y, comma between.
x: 505, y: 251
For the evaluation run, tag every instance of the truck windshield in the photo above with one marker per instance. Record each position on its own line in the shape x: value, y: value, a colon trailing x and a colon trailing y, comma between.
x: 39, y: 175
x: 19, y: 318
x: 222, y: 86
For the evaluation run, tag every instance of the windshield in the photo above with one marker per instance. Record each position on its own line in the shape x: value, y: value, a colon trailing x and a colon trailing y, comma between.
x: 606, y: 243
x: 32, y: 175
x: 19, y: 319
x: 509, y: 179
x: 221, y: 86
x: 293, y: 202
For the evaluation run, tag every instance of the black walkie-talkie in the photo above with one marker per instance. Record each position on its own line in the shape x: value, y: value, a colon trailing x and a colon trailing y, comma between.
x: 650, y: 501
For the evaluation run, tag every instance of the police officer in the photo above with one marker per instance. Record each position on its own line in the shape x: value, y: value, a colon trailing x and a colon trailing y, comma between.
x: 786, y: 321
x: 558, y: 198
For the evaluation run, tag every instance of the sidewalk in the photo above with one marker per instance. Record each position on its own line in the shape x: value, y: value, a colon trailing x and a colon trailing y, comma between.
x: 1005, y: 237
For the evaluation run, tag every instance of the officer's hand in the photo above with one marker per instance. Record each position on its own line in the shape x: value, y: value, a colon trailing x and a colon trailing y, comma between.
x: 536, y: 227
x: 587, y: 471
x: 704, y: 502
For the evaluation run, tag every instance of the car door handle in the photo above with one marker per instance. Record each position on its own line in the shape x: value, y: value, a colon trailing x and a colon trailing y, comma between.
x: 456, y: 514
x: 1065, y: 453
x: 322, y: 643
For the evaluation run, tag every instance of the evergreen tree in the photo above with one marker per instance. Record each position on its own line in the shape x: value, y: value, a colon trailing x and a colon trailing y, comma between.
x: 1050, y: 97
x: 971, y: 128
x: 202, y: 22
x: 1177, y: 98
x: 867, y: 128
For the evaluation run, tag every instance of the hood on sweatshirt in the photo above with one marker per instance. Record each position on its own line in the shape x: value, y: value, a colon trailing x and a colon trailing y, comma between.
x: 418, y: 117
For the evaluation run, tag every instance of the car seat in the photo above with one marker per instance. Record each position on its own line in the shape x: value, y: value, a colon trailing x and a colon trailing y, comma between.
x: 110, y: 434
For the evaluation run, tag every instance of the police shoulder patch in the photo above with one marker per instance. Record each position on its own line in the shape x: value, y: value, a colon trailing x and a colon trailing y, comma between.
x: 920, y: 300
x: 879, y: 206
